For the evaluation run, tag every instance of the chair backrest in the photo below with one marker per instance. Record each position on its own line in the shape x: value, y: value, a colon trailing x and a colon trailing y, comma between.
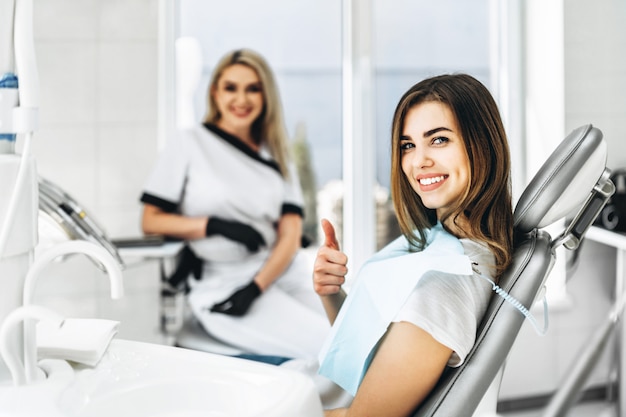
x: 574, y: 176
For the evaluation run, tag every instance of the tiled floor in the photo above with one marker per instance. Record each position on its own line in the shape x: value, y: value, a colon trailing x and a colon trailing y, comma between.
x: 588, y: 409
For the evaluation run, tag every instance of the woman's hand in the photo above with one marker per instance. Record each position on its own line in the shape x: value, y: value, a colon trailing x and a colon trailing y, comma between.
x: 235, y: 231
x: 329, y: 272
x: 239, y: 302
x: 330, y: 268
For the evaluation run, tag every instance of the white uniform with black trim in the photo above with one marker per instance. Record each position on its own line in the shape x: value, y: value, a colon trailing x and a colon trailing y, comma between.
x: 206, y: 172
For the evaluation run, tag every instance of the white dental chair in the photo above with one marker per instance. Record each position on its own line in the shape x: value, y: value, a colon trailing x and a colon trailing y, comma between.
x: 573, y: 181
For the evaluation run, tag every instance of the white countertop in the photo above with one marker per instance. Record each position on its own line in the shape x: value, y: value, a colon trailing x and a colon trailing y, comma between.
x: 608, y: 237
x: 166, y: 250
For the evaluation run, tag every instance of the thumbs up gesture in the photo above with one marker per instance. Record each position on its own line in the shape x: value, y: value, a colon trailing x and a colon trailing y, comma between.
x: 330, y: 269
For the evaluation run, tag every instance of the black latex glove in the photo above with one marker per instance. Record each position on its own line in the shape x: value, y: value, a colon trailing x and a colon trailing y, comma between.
x: 235, y: 231
x: 239, y: 302
x: 187, y: 264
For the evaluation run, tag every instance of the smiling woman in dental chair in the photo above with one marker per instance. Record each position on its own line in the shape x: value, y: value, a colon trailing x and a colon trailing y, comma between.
x: 415, y: 306
x: 229, y: 189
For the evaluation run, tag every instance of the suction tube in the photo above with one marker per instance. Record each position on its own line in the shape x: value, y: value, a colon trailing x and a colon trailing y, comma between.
x: 18, y: 180
x: 24, y: 118
x: 26, y: 66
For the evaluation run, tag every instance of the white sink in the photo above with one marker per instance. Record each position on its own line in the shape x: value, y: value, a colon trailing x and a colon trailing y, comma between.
x: 146, y: 380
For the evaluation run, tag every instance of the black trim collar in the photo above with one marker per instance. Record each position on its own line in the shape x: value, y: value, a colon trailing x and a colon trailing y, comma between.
x: 237, y: 143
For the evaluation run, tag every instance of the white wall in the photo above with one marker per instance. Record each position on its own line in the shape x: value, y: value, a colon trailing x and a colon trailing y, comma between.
x: 97, y: 61
x: 98, y: 66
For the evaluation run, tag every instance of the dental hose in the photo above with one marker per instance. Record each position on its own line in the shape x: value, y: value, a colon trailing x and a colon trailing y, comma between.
x: 24, y: 116
x: 19, y: 186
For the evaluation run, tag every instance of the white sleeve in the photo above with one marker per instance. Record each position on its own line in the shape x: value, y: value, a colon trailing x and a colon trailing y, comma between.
x: 449, y: 307
x: 166, y: 182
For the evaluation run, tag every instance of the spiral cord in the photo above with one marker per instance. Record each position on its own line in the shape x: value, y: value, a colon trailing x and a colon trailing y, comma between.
x: 518, y: 305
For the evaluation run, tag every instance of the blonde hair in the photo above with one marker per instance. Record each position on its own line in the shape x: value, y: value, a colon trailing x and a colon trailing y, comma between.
x: 269, y: 128
x: 487, y: 201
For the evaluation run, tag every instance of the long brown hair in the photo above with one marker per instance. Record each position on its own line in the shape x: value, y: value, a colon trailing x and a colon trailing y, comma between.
x: 487, y: 201
x: 269, y: 128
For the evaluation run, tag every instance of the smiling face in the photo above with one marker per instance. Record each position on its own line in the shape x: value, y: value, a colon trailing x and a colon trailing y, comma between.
x: 238, y: 95
x: 433, y: 156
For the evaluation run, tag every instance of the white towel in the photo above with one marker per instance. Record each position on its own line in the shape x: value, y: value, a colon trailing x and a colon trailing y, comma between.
x: 78, y: 340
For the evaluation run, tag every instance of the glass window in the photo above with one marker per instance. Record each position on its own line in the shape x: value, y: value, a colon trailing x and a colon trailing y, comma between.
x: 417, y: 39
x: 302, y: 40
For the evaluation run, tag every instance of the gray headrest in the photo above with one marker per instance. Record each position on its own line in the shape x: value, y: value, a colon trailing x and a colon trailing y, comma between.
x: 564, y: 181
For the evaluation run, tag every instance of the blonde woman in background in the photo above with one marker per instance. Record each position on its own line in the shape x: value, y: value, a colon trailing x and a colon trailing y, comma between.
x: 229, y: 189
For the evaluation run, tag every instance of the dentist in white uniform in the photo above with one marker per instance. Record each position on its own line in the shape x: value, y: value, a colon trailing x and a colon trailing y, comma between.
x: 228, y: 188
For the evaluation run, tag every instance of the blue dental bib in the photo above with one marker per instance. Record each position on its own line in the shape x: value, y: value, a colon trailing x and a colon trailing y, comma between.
x: 381, y: 288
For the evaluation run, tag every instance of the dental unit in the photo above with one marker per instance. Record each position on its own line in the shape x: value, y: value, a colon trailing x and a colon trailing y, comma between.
x: 118, y: 377
x: 18, y: 116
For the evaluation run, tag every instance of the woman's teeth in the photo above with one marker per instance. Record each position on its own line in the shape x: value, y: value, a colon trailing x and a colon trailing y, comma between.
x: 431, y: 180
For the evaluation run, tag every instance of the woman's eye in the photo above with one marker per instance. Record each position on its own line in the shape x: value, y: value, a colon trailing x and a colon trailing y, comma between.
x: 440, y: 140
x: 254, y: 89
x: 404, y: 146
x: 231, y: 88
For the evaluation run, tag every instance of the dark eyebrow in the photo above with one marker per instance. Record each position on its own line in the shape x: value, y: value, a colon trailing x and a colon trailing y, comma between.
x: 436, y: 130
x: 252, y: 84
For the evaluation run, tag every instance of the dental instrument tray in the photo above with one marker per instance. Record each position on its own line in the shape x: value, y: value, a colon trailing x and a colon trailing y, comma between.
x: 72, y: 217
x: 138, y: 242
